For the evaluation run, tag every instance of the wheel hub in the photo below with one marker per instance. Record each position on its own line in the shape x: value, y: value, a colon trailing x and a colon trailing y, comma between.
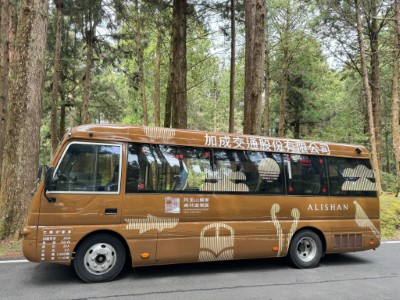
x: 100, y: 258
x: 306, y: 249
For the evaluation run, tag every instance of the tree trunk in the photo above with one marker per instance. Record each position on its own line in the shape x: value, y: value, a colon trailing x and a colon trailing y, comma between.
x: 157, y: 84
x: 56, y: 72
x: 21, y: 151
x: 12, y: 30
x: 215, y: 112
x: 169, y: 92
x: 62, y: 123
x: 267, y: 80
x: 179, y: 64
x: 395, y: 95
x: 284, y: 88
x: 140, y: 62
x: 4, y: 68
x: 249, y: 43
x: 232, y: 73
x: 375, y: 80
x: 285, y: 75
x: 257, y: 68
x: 368, y: 96
x: 90, y: 35
x: 386, y: 153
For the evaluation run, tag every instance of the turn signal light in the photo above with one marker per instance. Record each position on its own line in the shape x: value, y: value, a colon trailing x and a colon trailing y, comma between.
x: 371, y: 243
x: 145, y: 255
x: 275, y: 248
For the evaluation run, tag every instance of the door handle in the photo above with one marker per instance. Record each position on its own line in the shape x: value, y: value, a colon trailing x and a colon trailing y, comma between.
x: 111, y: 211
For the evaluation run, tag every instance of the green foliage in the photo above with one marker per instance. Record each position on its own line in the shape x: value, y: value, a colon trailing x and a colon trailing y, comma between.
x: 389, y: 182
x: 390, y: 216
x: 325, y: 104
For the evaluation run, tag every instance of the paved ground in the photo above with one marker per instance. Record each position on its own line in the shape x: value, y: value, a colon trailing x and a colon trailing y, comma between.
x: 361, y: 275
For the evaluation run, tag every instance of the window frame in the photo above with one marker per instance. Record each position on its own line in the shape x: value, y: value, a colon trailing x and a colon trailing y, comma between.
x: 363, y: 194
x: 120, y: 145
x: 285, y: 180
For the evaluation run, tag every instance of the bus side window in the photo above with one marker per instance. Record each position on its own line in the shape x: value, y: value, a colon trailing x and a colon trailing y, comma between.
x: 227, y: 173
x: 306, y: 175
x: 351, y: 177
x: 134, y: 180
x: 197, y: 164
x: 268, y: 172
x: 87, y: 167
x: 173, y: 169
x: 155, y: 168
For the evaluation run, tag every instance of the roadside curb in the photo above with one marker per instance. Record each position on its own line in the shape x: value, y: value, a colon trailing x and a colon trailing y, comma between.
x: 12, y: 261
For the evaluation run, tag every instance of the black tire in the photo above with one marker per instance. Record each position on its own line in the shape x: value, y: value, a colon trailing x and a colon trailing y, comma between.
x: 305, y: 249
x: 99, y: 258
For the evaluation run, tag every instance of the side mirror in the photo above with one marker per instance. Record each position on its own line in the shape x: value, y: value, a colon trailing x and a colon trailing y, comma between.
x: 38, y: 178
x: 49, y: 183
x: 48, y: 179
x: 40, y: 172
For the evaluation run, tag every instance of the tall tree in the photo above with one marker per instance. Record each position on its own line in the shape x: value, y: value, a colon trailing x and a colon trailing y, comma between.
x: 374, y: 25
x: 340, y: 25
x: 169, y: 92
x: 140, y: 61
x: 4, y: 66
x: 395, y: 94
x: 267, y: 78
x: 56, y: 75
x: 26, y: 77
x: 287, y: 57
x: 92, y: 17
x: 249, y: 7
x: 157, y: 73
x: 255, y: 38
x: 232, y: 72
x: 368, y: 95
x: 179, y: 64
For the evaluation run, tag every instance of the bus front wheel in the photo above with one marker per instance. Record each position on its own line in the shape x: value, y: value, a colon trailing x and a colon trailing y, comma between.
x: 99, y: 258
x: 305, y: 249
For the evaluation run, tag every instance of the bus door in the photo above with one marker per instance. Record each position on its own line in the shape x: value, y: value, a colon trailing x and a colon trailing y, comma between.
x: 84, y: 197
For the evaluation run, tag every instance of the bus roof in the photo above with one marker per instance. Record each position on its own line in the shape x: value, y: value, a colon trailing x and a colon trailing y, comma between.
x: 184, y: 137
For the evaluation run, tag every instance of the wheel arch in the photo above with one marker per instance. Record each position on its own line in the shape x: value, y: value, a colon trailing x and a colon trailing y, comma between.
x: 128, y: 259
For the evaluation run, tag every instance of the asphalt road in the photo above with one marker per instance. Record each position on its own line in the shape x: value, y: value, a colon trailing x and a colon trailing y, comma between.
x: 361, y: 275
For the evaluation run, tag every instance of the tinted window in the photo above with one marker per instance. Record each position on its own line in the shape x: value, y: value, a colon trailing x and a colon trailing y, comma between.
x: 227, y: 173
x: 197, y: 164
x: 161, y: 168
x: 351, y: 177
x: 134, y: 172
x: 89, y: 168
x: 306, y: 175
x: 264, y: 172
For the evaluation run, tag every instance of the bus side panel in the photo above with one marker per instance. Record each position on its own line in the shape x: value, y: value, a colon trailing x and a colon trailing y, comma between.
x: 205, y: 241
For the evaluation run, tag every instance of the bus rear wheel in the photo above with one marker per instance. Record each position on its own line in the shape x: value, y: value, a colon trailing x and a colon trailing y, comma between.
x: 305, y: 249
x: 99, y: 258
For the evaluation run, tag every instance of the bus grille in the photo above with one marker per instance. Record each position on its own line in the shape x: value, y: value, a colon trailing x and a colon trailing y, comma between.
x: 352, y: 240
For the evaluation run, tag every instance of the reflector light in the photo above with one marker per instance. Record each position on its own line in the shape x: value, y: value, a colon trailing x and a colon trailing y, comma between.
x: 145, y: 255
x: 371, y: 243
x: 275, y: 248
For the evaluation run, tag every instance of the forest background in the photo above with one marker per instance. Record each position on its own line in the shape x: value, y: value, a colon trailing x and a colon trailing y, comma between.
x: 321, y: 70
